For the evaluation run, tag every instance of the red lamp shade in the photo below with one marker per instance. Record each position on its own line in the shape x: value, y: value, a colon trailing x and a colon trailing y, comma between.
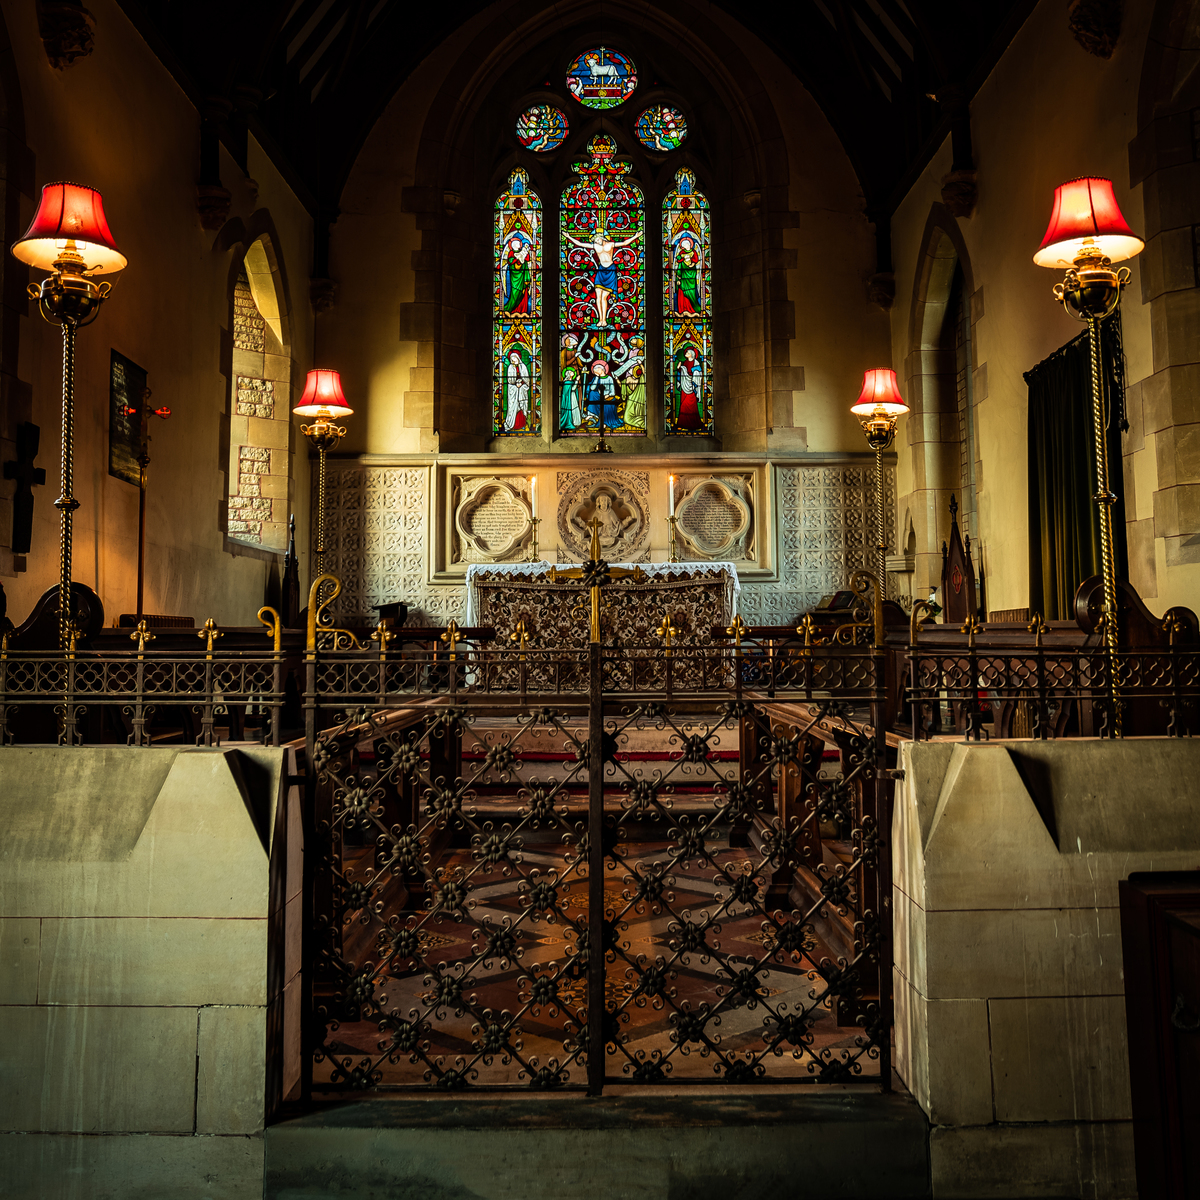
x: 323, y: 397
x: 70, y: 213
x: 1086, y: 220
x: 879, y: 393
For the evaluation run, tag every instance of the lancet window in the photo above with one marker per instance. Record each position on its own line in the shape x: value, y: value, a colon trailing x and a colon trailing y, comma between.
x: 687, y: 308
x: 517, y: 311
x: 602, y: 298
x: 597, y: 371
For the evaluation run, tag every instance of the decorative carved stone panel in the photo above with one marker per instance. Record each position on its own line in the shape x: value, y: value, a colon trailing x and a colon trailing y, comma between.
x: 377, y: 539
x: 492, y: 519
x: 826, y: 523
x: 714, y: 517
x: 619, y: 498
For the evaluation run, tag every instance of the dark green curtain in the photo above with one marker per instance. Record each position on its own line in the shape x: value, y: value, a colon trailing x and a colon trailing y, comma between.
x: 1064, y: 526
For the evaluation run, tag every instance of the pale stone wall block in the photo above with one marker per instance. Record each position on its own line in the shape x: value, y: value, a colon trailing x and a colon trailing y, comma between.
x: 134, y: 1167
x: 1075, y: 1161
x: 1060, y: 1059
x: 97, y: 1070
x: 19, y: 948
x: 231, y: 1085
x: 147, y: 960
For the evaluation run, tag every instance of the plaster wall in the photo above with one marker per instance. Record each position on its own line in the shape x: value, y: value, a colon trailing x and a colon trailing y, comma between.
x: 118, y: 121
x: 1009, y: 989
x: 137, y: 986
x: 1048, y: 112
x: 810, y: 253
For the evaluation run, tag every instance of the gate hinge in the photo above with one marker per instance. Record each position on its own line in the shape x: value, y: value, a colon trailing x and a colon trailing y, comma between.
x: 896, y: 774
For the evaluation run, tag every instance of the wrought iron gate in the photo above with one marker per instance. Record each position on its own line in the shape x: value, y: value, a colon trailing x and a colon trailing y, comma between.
x: 716, y: 818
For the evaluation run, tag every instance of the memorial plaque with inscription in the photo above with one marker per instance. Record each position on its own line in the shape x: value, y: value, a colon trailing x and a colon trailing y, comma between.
x: 714, y: 518
x: 491, y: 521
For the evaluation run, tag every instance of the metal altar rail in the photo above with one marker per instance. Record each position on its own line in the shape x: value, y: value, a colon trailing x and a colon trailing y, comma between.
x: 1140, y: 691
x: 86, y: 696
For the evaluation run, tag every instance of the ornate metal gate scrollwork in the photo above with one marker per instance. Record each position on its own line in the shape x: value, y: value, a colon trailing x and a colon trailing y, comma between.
x: 474, y: 828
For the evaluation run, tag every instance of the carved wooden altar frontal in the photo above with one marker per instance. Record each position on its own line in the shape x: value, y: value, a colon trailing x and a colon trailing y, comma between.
x: 556, y: 614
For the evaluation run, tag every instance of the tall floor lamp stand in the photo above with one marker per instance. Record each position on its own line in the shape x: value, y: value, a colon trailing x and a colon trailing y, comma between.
x: 1086, y: 235
x: 70, y: 238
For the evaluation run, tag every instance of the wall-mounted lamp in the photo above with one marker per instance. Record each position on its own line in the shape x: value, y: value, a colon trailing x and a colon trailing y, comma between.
x: 878, y: 407
x: 325, y: 402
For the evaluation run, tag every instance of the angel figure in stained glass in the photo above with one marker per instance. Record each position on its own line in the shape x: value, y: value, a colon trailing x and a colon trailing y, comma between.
x: 604, y: 277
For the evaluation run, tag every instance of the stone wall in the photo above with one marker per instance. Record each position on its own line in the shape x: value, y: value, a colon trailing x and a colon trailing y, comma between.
x: 1009, y: 990
x: 396, y: 532
x: 144, y: 970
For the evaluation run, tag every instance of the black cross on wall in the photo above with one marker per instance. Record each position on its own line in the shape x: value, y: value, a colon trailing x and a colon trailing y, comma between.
x: 27, y: 476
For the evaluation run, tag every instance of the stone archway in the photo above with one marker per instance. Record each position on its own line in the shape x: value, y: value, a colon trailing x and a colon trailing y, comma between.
x: 939, y: 387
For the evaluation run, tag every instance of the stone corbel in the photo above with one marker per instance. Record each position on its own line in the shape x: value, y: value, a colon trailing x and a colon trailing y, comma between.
x: 213, y: 203
x: 322, y: 294
x: 67, y: 30
x: 1095, y: 25
x: 960, y: 193
x: 881, y: 289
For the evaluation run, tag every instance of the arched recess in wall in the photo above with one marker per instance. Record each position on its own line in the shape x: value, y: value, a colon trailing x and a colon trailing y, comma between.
x: 467, y: 150
x: 16, y: 398
x: 258, y: 454
x: 941, y: 427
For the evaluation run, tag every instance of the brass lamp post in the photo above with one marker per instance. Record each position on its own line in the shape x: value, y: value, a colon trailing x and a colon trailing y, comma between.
x: 1086, y: 235
x: 70, y: 238
x: 878, y: 407
x: 325, y: 402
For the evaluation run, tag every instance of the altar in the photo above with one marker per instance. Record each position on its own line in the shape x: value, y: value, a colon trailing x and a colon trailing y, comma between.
x: 696, y: 596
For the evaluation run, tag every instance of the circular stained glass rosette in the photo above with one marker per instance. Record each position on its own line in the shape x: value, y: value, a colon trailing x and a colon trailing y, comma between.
x: 541, y: 127
x: 661, y: 128
x: 601, y: 78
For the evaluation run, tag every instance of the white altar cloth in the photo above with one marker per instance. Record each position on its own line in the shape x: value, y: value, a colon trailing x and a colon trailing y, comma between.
x: 530, y: 570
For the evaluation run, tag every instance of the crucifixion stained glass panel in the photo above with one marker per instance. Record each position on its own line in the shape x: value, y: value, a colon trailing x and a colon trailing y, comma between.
x: 602, y: 299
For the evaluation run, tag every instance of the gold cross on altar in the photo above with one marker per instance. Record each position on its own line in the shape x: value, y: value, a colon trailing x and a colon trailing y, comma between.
x: 596, y: 573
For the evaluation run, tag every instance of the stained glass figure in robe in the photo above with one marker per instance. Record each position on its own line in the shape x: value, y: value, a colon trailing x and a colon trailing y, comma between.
x: 541, y: 128
x: 687, y: 308
x: 601, y: 78
x: 661, y: 128
x: 517, y: 311
x: 602, y: 301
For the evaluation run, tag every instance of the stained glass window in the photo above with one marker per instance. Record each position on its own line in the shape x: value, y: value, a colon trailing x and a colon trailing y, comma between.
x: 541, y: 127
x: 661, y: 128
x: 517, y: 311
x: 602, y: 298
x: 687, y: 308
x: 601, y: 78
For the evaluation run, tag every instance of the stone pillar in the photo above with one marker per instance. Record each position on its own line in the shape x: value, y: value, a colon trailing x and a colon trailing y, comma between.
x: 1010, y: 996
x: 1163, y: 158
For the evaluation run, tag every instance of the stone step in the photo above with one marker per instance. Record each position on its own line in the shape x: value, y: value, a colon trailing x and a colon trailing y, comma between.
x: 835, y: 1143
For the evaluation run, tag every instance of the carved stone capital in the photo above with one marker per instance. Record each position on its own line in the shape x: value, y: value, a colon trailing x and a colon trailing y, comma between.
x: 753, y: 201
x: 213, y: 203
x: 960, y: 193
x: 1095, y: 25
x: 322, y: 294
x: 881, y: 289
x: 67, y: 30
